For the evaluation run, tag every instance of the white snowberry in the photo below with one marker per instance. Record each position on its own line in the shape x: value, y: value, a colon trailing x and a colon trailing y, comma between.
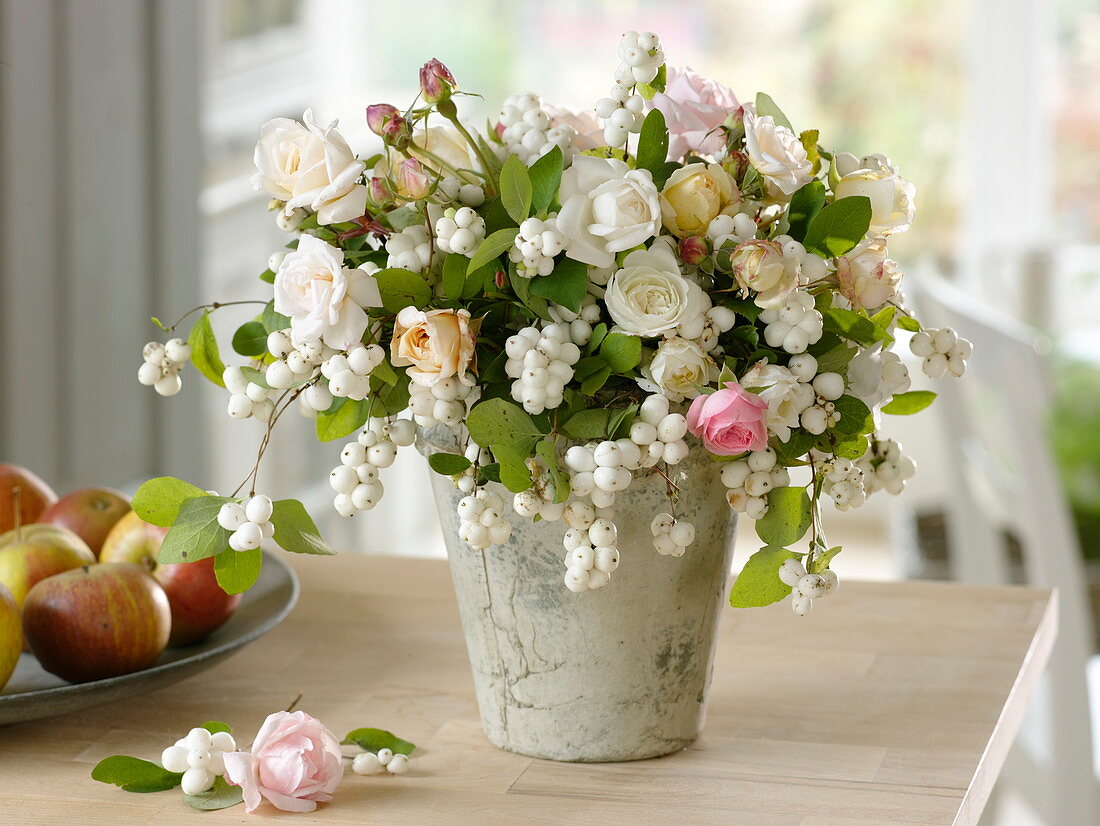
x: 943, y: 351
x: 794, y: 324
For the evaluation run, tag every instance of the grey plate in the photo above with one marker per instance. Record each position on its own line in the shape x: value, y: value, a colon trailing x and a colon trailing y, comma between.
x: 33, y: 693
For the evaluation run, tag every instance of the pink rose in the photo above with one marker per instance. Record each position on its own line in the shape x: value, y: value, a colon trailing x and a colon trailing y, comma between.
x: 295, y: 763
x: 730, y: 421
x: 694, y: 107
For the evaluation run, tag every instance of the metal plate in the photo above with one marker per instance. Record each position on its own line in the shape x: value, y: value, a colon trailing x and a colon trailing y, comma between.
x: 32, y: 693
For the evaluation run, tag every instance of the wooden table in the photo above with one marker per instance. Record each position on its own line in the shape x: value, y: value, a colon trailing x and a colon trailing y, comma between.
x: 892, y: 703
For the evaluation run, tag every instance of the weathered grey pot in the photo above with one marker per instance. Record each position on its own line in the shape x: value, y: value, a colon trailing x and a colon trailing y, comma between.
x: 621, y: 673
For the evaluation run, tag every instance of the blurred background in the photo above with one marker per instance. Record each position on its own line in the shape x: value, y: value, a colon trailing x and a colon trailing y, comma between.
x: 126, y: 149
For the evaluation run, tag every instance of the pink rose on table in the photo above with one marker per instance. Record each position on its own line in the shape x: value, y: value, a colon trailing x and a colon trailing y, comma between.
x: 694, y: 107
x: 729, y: 421
x: 295, y: 763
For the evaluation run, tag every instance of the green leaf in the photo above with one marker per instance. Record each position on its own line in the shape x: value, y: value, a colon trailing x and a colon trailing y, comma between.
x: 599, y: 332
x: 759, y: 584
x: 376, y: 739
x: 836, y: 360
x: 591, y: 424
x: 401, y: 289
x: 821, y: 560
x: 268, y: 276
x: 255, y: 376
x: 661, y: 176
x: 788, y: 518
x: 237, y: 571
x: 795, y: 447
x: 516, y: 189
x: 216, y: 726
x: 806, y: 203
x: 905, y: 404
x: 851, y: 448
x: 907, y: 322
x: 349, y: 416
x: 766, y: 106
x: 566, y: 285
x: 158, y: 500
x: 250, y: 339
x: 460, y: 282
x: 838, y: 227
x: 134, y: 775
x: 295, y: 530
x: 220, y: 796
x: 851, y: 325
x: 272, y: 320
x: 204, y: 350
x: 621, y: 352
x: 496, y: 421
x: 493, y: 245
x: 592, y: 373
x: 883, y: 317
x: 653, y: 142
x: 196, y: 533
x: 547, y: 451
x: 545, y: 179
x: 448, y: 464
x: 855, y: 418
x: 514, y: 473
x: 387, y: 399
x: 648, y: 90
x: 522, y: 288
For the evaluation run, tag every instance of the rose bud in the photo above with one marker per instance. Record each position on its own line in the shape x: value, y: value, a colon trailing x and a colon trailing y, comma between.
x: 379, y: 194
x: 436, y: 81
x: 412, y: 181
x: 737, y: 164
x: 693, y: 249
x: 386, y: 121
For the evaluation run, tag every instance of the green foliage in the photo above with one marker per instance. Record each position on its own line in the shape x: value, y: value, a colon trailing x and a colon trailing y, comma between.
x: 237, y: 571
x: 220, y: 796
x: 516, y: 190
x: 196, y: 533
x: 806, y: 203
x: 592, y: 372
x: 522, y: 288
x: 905, y: 404
x: 759, y: 584
x: 766, y: 106
x: 216, y: 726
x: 566, y: 285
x: 493, y: 245
x: 376, y: 739
x: 250, y: 339
x: 907, y: 322
x: 497, y: 421
x: 343, y: 418
x: 547, y: 451
x: 855, y: 418
x: 821, y: 560
x: 852, y: 326
x: 448, y: 464
x: 851, y: 448
x: 621, y: 352
x: 590, y: 424
x: 272, y: 320
x: 788, y: 518
x: 838, y: 227
x: 158, y: 500
x: 545, y: 174
x: 514, y: 473
x: 401, y: 288
x: 792, y: 450
x: 653, y: 142
x: 648, y: 90
x: 461, y: 283
x: 836, y: 360
x: 204, y: 350
x: 599, y: 333
x: 388, y: 399
x: 295, y: 530
x: 134, y: 775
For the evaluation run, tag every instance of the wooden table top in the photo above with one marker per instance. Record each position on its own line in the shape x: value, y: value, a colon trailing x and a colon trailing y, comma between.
x: 892, y: 703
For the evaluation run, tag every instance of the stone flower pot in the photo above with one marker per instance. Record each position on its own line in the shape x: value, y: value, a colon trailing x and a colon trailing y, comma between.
x: 620, y: 673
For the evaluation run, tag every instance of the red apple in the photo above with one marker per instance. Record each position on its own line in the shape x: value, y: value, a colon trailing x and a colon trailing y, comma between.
x: 11, y: 635
x: 90, y: 513
x: 97, y: 621
x: 199, y: 605
x: 30, y: 554
x: 34, y: 496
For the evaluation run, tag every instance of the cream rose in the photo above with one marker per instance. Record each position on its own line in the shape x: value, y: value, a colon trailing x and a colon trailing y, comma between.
x: 777, y: 154
x: 891, y: 196
x: 649, y: 296
x: 434, y: 345
x: 762, y: 268
x: 310, y: 166
x: 695, y: 195
x: 786, y: 396
x: 323, y: 298
x: 678, y: 369
x: 446, y: 143
x: 866, y: 277
x: 607, y: 207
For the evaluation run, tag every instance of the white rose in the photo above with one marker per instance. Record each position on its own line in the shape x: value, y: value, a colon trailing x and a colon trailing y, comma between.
x: 777, y: 154
x: 866, y: 277
x: 678, y: 369
x: 786, y: 396
x: 310, y: 166
x: 607, y: 207
x: 649, y: 296
x: 323, y: 298
x: 891, y: 196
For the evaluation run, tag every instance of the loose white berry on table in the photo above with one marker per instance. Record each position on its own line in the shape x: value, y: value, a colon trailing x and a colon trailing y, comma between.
x: 367, y: 763
x: 385, y: 756
x: 398, y: 764
x: 196, y: 781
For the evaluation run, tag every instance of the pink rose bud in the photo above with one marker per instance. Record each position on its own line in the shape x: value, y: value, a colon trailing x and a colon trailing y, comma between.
x: 436, y: 81
x: 412, y: 182
x: 729, y: 421
x: 379, y: 193
x: 500, y: 279
x: 295, y: 763
x: 386, y: 122
x: 693, y: 249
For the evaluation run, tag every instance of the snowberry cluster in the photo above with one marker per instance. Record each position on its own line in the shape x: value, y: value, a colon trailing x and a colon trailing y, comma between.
x: 246, y: 398
x: 537, y: 242
x: 794, y: 325
x: 822, y: 414
x: 538, y: 500
x: 659, y: 433
x: 478, y: 457
x: 591, y: 552
x: 748, y: 481
x: 943, y: 351
x: 410, y: 249
x: 541, y: 362
x: 602, y: 470
x: 199, y: 757
x: 444, y: 402
x: 461, y: 231
x: 875, y: 376
x: 250, y: 523
x: 805, y: 587
x: 295, y: 364
x: 456, y: 190
x: 718, y: 320
x: 623, y: 113
x: 671, y: 536
x: 527, y: 130
x: 384, y: 761
x: 348, y: 373
x: 641, y: 56
x: 885, y: 467
x: 844, y: 483
x: 580, y: 322
x: 162, y: 365
x: 355, y: 479
x: 481, y: 521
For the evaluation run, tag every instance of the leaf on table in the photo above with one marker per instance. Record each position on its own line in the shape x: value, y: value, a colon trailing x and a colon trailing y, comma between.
x: 132, y: 774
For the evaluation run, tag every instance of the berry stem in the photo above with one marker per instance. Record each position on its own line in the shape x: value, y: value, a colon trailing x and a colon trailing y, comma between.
x: 214, y: 305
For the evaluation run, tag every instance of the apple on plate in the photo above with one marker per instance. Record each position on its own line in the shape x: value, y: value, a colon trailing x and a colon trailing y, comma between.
x: 97, y: 621
x: 32, y: 553
x: 11, y: 635
x: 33, y: 495
x: 199, y: 605
x: 90, y: 513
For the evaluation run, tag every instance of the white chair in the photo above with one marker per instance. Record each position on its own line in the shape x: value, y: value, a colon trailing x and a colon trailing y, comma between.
x: 1003, y: 480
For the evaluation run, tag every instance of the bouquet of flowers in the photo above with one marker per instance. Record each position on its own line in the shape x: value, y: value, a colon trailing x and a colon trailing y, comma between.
x: 585, y: 297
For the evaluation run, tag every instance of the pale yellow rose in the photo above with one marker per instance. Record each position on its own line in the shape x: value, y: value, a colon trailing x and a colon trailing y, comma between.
x: 435, y: 344
x: 761, y: 267
x: 695, y: 195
